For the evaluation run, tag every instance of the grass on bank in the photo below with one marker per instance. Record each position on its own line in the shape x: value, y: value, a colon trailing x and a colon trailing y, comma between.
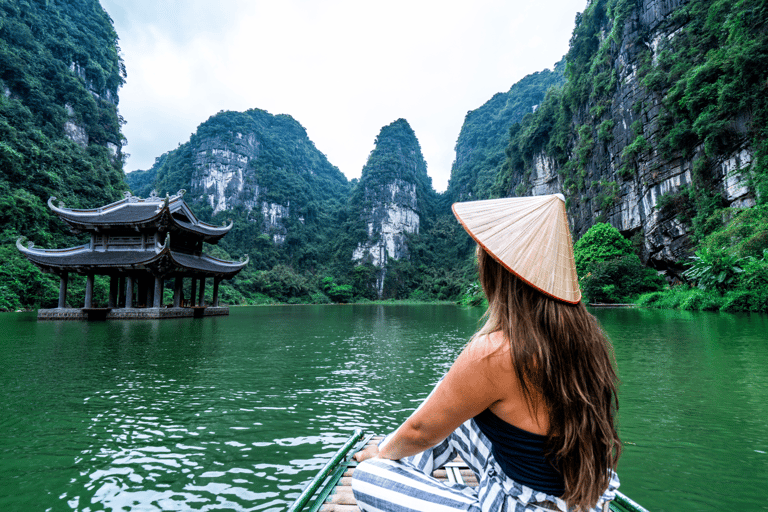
x: 694, y: 299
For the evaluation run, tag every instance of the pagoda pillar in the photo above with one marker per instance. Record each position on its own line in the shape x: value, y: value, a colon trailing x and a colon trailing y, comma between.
x: 88, y: 291
x: 150, y: 295
x: 193, y: 293
x: 63, y: 290
x: 178, y: 291
x: 201, y: 301
x: 141, y: 291
x: 216, y: 281
x: 158, y: 298
x: 129, y: 292
x: 120, y: 292
x: 113, y: 284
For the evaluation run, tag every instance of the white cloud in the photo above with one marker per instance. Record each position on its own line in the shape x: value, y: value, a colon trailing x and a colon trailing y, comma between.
x: 342, y: 68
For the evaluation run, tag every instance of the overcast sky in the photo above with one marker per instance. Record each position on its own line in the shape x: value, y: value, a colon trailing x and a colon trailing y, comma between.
x: 341, y: 68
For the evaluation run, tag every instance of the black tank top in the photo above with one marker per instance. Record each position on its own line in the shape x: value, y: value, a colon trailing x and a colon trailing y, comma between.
x: 521, y: 454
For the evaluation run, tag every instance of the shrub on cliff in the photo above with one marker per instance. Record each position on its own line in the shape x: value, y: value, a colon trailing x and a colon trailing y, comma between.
x: 619, y: 279
x: 602, y: 242
x: 610, y: 271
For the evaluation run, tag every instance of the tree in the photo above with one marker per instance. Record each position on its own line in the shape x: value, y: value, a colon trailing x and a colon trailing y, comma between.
x: 602, y: 242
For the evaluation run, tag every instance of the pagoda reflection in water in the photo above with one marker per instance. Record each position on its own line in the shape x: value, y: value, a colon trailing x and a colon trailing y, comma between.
x: 139, y: 244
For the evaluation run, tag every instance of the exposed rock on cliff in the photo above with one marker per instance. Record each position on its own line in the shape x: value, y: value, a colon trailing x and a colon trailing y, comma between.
x: 618, y: 143
x: 260, y: 169
x: 393, y: 193
x: 60, y: 73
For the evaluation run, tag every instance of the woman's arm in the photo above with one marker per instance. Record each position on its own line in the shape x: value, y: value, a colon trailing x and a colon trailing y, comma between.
x: 468, y: 388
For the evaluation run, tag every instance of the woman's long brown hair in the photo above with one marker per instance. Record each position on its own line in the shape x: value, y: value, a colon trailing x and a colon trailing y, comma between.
x: 559, y: 351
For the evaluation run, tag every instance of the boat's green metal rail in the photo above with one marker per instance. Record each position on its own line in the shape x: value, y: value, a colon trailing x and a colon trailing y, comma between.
x: 623, y: 504
x: 314, y: 495
x: 324, y: 482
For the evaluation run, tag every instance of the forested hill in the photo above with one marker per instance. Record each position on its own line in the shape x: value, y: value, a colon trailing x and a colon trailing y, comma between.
x: 60, y: 72
x: 262, y: 171
x: 655, y: 123
x: 391, y: 202
x: 485, y: 134
x: 661, y: 128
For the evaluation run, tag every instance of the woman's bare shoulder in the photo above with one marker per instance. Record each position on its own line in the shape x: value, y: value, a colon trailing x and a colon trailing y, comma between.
x: 492, y: 348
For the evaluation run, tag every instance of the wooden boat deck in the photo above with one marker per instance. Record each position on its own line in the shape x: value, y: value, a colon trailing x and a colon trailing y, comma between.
x: 342, y: 500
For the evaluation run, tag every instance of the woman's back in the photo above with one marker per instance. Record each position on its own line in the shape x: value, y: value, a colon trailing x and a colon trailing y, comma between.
x: 494, y: 358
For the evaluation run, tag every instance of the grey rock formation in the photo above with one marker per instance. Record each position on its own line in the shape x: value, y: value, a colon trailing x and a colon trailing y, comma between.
x: 392, y: 192
x: 629, y: 201
x: 220, y: 169
x: 393, y: 215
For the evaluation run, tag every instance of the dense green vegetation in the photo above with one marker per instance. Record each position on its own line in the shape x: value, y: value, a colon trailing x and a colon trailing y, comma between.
x: 713, y: 77
x: 60, y: 135
x: 551, y: 129
x: 284, y: 168
x: 609, y: 271
x: 435, y: 268
x: 59, y: 73
x: 485, y: 134
x: 729, y: 271
x: 327, y: 217
x: 710, y: 77
x: 710, y: 80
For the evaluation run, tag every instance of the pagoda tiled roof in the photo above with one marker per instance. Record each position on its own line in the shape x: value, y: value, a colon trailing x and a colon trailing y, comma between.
x: 132, y: 211
x: 83, y: 259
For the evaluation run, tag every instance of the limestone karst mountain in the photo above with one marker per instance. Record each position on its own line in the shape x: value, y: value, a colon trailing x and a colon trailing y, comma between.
x: 660, y: 124
x: 485, y: 134
x: 262, y: 170
x: 392, y: 198
x: 60, y: 72
x: 654, y: 122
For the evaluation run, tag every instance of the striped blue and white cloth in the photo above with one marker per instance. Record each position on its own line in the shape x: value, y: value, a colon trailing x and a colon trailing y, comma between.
x: 407, y: 485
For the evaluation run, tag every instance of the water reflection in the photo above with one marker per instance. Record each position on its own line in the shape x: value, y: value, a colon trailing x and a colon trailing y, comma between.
x: 693, y: 401
x: 238, y: 413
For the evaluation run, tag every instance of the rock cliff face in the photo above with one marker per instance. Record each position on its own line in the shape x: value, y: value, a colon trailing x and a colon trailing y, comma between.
x: 256, y: 167
x: 392, y: 194
x: 620, y: 168
x: 223, y: 176
x: 60, y: 73
x: 392, y: 215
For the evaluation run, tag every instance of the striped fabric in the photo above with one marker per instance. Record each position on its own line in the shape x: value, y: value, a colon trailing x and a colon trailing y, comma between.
x: 382, y: 485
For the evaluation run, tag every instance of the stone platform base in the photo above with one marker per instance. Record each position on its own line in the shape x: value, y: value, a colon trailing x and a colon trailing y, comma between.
x: 128, y: 314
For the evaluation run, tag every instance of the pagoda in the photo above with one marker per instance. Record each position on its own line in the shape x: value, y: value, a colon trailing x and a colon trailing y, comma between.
x: 139, y: 244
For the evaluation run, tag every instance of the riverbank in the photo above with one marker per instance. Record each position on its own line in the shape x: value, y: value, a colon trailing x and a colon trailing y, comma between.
x: 687, y: 298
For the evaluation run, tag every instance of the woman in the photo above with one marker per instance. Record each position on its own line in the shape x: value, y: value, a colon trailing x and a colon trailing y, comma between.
x: 529, y: 404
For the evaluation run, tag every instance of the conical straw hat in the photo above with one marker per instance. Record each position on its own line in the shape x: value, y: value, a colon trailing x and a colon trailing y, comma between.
x: 529, y: 236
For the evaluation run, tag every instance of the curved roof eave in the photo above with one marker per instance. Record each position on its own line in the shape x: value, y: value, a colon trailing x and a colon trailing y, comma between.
x: 177, y: 204
x: 154, y: 209
x: 72, y: 260
x: 31, y: 251
x: 105, y: 215
x: 208, y: 264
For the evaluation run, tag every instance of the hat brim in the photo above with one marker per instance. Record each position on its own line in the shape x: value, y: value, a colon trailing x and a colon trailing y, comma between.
x: 528, y: 236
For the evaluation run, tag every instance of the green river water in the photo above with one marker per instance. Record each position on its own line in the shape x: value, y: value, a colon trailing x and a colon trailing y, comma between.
x: 239, y: 412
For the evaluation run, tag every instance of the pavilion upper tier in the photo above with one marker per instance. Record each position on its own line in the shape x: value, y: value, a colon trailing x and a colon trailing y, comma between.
x: 155, y: 213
